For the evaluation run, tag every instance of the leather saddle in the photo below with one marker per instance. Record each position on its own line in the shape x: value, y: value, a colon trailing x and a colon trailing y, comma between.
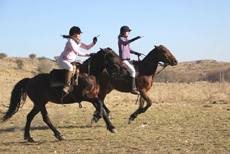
x: 125, y: 75
x: 57, y: 76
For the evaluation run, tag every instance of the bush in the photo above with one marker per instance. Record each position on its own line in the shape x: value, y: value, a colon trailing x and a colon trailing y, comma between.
x: 20, y: 63
x: 42, y: 58
x: 56, y: 58
x: 32, y: 56
x: 45, y: 65
x: 3, y: 55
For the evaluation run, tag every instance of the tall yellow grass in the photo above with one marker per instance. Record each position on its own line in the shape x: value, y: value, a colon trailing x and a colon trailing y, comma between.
x: 160, y: 92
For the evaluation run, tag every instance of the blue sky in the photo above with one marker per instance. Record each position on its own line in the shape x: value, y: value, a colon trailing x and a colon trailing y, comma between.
x: 190, y: 29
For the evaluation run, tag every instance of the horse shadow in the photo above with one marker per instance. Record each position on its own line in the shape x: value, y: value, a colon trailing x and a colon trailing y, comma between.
x: 13, y: 129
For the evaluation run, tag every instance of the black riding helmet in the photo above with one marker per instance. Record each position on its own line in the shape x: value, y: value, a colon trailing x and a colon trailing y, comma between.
x: 124, y: 29
x: 74, y: 29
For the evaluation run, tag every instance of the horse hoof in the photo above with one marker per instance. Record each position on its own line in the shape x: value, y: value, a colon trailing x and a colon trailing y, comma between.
x: 113, y: 131
x: 30, y: 139
x: 61, y: 137
x: 94, y: 120
x: 131, y: 119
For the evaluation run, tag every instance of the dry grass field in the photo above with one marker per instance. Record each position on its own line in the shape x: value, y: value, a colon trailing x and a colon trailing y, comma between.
x: 184, y: 118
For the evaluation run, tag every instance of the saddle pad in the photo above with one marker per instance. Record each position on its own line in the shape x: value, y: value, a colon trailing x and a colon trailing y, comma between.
x: 57, y: 77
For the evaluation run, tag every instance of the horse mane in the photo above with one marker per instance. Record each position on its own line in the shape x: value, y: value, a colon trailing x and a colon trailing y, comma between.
x: 113, y: 56
x: 157, y: 47
x: 86, y: 61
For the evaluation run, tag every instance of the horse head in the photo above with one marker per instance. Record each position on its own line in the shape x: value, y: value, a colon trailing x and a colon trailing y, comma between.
x: 165, y: 56
x: 113, y: 63
x: 105, y: 59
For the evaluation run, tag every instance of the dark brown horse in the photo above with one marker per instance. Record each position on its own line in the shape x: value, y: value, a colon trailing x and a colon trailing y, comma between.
x: 40, y: 92
x: 144, y: 80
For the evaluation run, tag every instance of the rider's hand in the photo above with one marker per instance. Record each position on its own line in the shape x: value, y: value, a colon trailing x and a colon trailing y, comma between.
x: 95, y: 40
x: 137, y: 37
x: 91, y: 54
x: 138, y: 54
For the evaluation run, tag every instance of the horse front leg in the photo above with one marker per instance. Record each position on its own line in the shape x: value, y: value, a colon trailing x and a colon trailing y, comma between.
x: 109, y: 125
x: 108, y: 113
x: 141, y: 109
x: 105, y: 89
x: 97, y: 103
x: 95, y: 119
x: 138, y: 111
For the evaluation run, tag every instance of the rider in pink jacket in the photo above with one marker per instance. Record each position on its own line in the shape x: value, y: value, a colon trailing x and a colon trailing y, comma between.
x: 71, y: 51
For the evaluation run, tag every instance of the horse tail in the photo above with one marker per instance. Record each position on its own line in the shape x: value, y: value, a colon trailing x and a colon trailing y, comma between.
x: 18, y: 98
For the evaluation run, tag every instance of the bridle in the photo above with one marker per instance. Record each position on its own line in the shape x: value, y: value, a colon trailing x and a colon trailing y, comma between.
x: 114, y: 67
x: 160, y: 56
x: 106, y: 62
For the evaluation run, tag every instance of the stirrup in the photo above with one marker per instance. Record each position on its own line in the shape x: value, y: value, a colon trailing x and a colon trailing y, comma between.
x: 66, y: 89
x: 134, y: 91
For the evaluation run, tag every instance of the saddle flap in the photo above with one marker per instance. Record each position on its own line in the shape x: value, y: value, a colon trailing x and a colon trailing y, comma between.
x: 57, y: 77
x: 125, y: 75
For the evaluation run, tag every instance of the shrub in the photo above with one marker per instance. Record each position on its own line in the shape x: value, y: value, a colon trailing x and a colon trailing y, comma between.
x: 32, y: 56
x: 44, y: 65
x: 20, y: 63
x: 56, y: 58
x: 42, y: 58
x: 3, y: 55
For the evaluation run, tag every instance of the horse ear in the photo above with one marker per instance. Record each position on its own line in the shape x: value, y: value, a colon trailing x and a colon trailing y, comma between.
x: 155, y: 46
x: 101, y: 49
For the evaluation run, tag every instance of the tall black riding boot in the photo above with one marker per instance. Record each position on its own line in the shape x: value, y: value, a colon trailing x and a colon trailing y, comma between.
x: 68, y: 76
x: 134, y: 89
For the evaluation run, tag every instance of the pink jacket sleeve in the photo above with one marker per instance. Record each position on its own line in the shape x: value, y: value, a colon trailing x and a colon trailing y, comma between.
x: 75, y: 48
x: 87, y: 47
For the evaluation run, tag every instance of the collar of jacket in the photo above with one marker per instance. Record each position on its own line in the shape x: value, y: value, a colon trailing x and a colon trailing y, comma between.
x: 75, y: 39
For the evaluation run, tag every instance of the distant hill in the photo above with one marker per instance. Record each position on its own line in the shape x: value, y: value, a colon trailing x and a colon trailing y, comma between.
x: 190, y: 71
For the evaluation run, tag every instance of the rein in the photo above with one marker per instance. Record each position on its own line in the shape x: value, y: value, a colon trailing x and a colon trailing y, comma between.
x: 159, y: 64
x: 164, y: 66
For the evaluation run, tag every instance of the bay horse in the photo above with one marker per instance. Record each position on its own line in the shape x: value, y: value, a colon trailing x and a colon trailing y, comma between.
x: 40, y: 92
x: 144, y: 79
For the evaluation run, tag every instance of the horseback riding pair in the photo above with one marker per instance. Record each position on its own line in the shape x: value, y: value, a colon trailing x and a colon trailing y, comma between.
x: 98, y: 78
x: 71, y: 50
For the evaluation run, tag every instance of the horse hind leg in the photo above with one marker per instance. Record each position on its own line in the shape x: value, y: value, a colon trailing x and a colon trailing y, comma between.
x: 46, y: 119
x: 30, y: 117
